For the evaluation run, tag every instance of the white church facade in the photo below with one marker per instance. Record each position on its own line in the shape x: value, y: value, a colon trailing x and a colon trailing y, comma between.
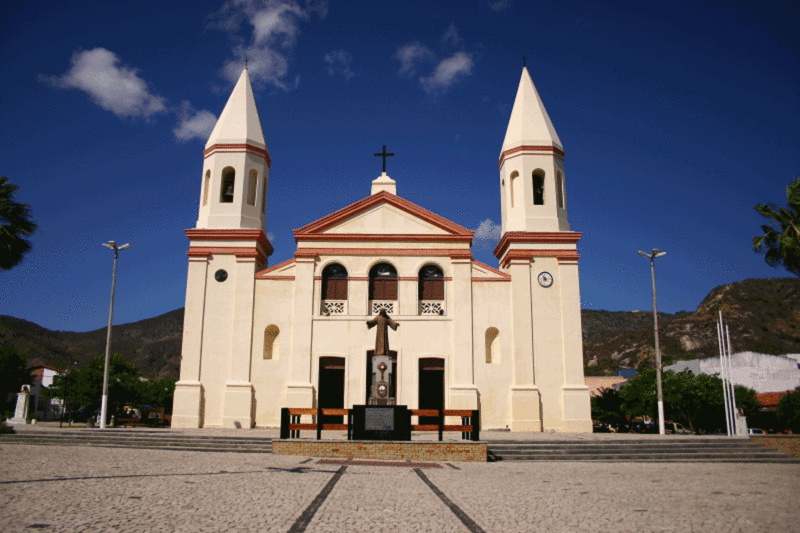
x: 504, y: 340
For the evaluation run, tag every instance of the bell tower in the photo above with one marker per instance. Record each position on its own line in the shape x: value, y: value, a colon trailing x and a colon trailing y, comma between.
x: 539, y: 252
x: 236, y: 164
x: 226, y: 249
x: 533, y: 197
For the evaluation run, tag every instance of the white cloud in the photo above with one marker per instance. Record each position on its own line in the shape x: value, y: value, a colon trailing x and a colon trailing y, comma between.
x: 498, y: 5
x: 194, y: 124
x: 339, y: 63
x: 112, y: 86
x: 451, y: 37
x: 488, y: 231
x: 448, y: 72
x: 487, y: 235
x: 275, y: 28
x: 411, y: 56
x: 119, y: 89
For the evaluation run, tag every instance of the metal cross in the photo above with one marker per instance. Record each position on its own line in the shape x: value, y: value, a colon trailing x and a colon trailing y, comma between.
x: 523, y: 60
x: 384, y: 155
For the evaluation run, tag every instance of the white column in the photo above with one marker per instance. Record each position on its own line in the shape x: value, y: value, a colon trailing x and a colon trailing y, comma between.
x: 525, y: 410
x: 299, y: 390
x: 238, y: 389
x: 463, y: 393
x: 188, y: 401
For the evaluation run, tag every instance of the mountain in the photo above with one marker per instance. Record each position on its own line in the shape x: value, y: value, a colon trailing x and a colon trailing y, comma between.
x: 154, y: 343
x: 763, y: 316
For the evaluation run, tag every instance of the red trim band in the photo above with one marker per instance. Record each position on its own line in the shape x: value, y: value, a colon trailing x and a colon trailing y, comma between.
x: 239, y: 147
x: 530, y: 148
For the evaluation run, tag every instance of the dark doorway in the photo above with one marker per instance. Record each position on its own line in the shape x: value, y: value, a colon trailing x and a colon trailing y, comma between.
x: 368, y: 381
x: 431, y: 387
x: 331, y: 387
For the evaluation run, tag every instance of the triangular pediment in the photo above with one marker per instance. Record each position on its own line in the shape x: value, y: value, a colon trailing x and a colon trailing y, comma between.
x: 384, y: 214
x: 385, y: 219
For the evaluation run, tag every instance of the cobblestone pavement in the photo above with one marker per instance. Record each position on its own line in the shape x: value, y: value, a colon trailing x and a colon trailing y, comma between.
x: 77, y: 488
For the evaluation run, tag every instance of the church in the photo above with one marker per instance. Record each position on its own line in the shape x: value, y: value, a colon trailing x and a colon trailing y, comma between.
x: 505, y: 340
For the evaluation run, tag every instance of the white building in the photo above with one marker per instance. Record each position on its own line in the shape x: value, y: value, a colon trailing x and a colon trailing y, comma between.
x: 504, y: 340
x: 757, y: 371
x: 41, y: 407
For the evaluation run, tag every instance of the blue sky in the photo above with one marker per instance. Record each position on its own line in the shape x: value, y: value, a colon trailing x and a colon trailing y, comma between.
x: 676, y: 118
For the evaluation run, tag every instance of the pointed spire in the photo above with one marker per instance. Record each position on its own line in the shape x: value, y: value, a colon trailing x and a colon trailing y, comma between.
x: 239, y: 122
x: 529, y: 123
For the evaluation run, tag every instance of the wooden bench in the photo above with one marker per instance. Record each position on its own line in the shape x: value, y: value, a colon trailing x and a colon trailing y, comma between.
x: 291, y: 425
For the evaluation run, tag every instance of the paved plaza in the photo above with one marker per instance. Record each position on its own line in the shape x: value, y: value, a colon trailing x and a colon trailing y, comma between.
x: 80, y: 488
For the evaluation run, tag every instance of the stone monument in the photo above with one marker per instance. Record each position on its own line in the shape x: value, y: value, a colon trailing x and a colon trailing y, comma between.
x: 382, y: 418
x: 23, y: 406
x: 382, y: 392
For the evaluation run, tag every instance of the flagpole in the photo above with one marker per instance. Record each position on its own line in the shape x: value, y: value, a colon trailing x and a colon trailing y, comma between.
x: 734, y: 410
x: 722, y: 374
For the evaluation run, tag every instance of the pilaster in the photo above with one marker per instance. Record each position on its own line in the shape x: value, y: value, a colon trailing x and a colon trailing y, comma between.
x: 238, y: 389
x: 300, y: 391
x: 188, y: 400
x: 463, y: 393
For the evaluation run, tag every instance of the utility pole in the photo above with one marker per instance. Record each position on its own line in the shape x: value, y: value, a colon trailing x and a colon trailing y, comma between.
x: 112, y: 245
x: 652, y: 257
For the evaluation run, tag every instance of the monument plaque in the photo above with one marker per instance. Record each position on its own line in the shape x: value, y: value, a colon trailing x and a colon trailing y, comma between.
x: 379, y: 419
x: 381, y: 423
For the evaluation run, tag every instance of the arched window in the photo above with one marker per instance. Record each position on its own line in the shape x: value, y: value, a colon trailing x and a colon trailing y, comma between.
x: 492, y: 345
x: 334, y: 282
x: 514, y: 176
x: 251, y: 187
x: 431, y: 283
x: 228, y: 181
x: 431, y: 290
x: 271, y: 333
x: 206, y: 185
x: 538, y: 187
x: 383, y: 282
x: 560, y: 189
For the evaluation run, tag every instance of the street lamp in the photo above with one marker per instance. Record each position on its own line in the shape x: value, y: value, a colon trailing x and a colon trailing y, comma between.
x: 112, y: 245
x: 657, y: 253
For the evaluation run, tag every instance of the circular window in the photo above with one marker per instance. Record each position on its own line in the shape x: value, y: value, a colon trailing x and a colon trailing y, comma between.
x: 220, y: 275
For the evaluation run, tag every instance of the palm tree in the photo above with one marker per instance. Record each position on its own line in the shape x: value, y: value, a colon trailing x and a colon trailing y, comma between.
x: 15, y: 226
x: 781, y: 239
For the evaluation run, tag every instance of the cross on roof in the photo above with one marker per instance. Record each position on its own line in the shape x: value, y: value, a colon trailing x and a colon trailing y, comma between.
x: 384, y: 155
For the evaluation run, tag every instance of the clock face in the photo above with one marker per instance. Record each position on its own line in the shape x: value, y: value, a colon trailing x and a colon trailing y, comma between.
x: 545, y: 279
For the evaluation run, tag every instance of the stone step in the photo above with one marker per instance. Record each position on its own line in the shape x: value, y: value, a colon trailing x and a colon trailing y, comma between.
x: 652, y: 459
x: 149, y: 447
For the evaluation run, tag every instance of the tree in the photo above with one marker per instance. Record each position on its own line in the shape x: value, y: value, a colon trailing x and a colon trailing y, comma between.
x: 15, y: 226
x: 607, y: 408
x: 86, y: 384
x: 158, y: 393
x: 781, y: 239
x: 696, y: 400
x: 788, y: 411
x: 13, y: 375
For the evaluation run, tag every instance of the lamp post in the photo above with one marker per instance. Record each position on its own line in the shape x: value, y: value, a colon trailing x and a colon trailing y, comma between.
x: 652, y: 257
x: 112, y: 245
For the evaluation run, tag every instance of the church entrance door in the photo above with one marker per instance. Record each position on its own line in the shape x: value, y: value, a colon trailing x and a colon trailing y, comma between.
x: 331, y: 387
x: 371, y: 377
x: 431, y: 387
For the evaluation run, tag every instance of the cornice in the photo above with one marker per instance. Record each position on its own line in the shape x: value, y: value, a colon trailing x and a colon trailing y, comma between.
x: 239, y: 147
x: 535, y: 237
x: 257, y: 235
x: 530, y: 148
x: 318, y: 226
